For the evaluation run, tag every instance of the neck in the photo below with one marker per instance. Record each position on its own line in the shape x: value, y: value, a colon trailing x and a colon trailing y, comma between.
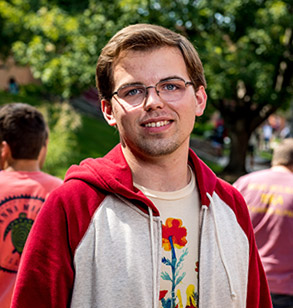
x: 281, y: 168
x: 163, y: 173
x: 29, y: 165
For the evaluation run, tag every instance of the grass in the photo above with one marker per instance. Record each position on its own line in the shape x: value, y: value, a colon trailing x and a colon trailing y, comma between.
x: 6, y: 97
x: 92, y: 138
x: 95, y: 138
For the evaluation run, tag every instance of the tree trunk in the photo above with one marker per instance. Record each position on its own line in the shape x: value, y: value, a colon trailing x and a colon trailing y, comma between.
x: 239, y: 132
x: 238, y: 151
x: 240, y: 125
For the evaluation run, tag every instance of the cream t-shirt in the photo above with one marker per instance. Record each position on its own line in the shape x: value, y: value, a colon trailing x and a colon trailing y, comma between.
x: 179, y: 212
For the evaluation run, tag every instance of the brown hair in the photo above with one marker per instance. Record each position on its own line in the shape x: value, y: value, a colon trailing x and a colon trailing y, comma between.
x: 24, y: 129
x: 143, y: 37
x: 283, y: 153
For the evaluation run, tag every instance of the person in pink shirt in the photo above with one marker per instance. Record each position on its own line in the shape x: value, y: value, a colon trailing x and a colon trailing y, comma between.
x: 269, y: 196
x: 24, y: 187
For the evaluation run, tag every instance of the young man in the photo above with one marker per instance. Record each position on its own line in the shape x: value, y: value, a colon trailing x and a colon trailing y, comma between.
x: 148, y: 225
x: 269, y: 196
x: 23, y: 187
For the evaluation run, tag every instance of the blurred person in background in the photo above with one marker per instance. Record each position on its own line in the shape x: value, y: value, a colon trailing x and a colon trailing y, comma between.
x: 13, y: 87
x: 267, y: 132
x: 269, y: 196
x: 23, y: 186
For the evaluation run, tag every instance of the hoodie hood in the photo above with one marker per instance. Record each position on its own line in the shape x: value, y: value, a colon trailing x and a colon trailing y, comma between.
x: 112, y: 174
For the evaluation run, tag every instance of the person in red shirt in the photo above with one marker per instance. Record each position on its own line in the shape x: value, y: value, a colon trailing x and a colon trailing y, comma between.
x: 24, y: 187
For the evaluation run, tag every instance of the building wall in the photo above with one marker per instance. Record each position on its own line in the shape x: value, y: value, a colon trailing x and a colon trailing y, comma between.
x: 22, y: 74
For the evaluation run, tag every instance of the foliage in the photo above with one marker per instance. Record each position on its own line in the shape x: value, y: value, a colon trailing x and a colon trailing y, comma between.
x: 63, y: 122
x: 245, y: 46
x: 95, y: 138
x: 74, y: 137
x: 246, y: 49
x: 61, y: 46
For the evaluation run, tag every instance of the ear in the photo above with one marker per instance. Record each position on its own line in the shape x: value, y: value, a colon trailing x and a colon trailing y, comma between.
x: 201, y: 100
x: 5, y: 154
x: 43, y: 154
x: 108, y: 112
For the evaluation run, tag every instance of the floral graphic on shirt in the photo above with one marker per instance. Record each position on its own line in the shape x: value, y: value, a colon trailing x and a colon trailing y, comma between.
x: 191, y: 296
x: 174, y: 236
x: 173, y: 230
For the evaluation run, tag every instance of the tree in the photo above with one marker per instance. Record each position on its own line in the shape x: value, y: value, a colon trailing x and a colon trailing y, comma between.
x: 245, y: 46
x: 61, y: 40
x: 249, y: 68
x: 246, y: 49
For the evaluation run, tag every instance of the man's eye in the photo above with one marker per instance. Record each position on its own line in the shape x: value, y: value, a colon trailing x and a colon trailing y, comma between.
x: 170, y: 87
x: 133, y: 92
x: 126, y: 92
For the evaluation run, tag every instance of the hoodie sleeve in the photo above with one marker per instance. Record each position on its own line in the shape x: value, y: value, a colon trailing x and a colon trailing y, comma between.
x: 46, y: 273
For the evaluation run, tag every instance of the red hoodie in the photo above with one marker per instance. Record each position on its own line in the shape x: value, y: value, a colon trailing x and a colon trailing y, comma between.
x: 97, y: 242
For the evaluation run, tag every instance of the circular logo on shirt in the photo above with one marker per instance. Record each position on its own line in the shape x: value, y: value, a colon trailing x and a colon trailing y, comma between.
x: 19, y: 228
x: 17, y: 214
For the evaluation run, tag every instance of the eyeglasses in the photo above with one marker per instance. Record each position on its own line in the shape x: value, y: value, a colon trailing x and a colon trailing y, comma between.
x: 169, y: 90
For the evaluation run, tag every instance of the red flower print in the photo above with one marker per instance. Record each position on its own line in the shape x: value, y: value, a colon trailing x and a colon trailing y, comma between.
x: 173, y: 229
x: 162, y: 294
x: 196, y: 266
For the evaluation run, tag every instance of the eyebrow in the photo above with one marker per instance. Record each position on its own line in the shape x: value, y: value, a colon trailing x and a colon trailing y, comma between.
x: 171, y: 77
x: 138, y: 83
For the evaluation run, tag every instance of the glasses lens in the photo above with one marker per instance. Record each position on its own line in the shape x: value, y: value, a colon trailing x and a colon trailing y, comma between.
x: 132, y: 94
x: 171, y: 90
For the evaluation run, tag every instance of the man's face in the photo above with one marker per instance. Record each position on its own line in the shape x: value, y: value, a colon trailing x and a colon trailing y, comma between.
x: 156, y: 127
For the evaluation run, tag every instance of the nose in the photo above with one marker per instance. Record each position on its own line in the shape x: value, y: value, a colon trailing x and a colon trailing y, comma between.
x: 152, y: 99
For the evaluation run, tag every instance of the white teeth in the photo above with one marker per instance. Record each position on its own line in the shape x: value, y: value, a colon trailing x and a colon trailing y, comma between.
x: 157, y: 124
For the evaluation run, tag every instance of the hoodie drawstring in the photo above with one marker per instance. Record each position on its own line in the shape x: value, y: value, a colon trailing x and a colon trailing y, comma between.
x: 154, y: 276
x: 232, y: 292
x: 153, y: 258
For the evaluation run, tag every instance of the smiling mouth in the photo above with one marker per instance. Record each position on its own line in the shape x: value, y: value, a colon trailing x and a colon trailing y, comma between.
x: 157, y: 124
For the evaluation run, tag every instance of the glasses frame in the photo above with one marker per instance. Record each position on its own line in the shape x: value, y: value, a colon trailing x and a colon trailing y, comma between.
x: 186, y: 83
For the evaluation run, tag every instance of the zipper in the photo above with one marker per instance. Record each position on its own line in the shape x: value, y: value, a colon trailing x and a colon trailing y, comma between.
x: 204, y: 209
